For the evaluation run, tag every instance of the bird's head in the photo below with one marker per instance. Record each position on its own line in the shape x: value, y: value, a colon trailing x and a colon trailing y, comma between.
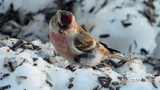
x: 64, y: 19
x: 62, y: 22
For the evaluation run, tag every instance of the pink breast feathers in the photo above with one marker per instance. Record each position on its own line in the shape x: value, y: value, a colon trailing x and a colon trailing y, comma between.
x: 59, y: 40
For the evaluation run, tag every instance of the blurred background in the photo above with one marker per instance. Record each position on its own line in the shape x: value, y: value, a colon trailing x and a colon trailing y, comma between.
x: 130, y: 26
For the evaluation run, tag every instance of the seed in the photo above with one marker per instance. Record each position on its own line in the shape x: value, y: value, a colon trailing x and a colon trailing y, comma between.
x: 154, y: 84
x: 104, y: 35
x: 6, y: 61
x: 18, y: 44
x: 11, y: 66
x: 5, y: 75
x: 70, y: 86
x: 50, y: 84
x: 5, y: 87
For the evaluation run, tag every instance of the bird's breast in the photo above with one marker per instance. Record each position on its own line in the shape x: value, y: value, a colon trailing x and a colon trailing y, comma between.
x: 61, y: 43
x: 59, y: 40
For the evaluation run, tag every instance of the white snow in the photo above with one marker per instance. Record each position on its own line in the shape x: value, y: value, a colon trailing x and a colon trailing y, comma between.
x: 59, y: 76
x: 42, y: 69
x: 108, y: 20
x: 31, y: 6
x: 36, y: 27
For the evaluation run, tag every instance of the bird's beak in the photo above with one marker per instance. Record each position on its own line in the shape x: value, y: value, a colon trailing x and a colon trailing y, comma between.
x: 63, y: 32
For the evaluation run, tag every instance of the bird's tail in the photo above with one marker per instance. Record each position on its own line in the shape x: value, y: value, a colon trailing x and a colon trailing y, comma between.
x: 130, y: 58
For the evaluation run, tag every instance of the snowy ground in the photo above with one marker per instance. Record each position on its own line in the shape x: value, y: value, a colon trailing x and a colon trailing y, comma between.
x: 130, y: 26
x: 35, y: 66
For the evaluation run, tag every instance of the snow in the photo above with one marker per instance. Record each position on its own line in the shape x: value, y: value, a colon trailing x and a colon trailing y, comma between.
x: 26, y: 6
x: 34, y: 65
x: 38, y: 71
x: 5, y: 6
x: 36, y: 26
x: 108, y: 20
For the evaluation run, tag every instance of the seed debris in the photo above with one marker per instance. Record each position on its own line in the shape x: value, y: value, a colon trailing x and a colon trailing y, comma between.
x: 70, y: 86
x: 49, y: 83
x: 5, y: 87
x: 5, y: 75
x: 6, y: 60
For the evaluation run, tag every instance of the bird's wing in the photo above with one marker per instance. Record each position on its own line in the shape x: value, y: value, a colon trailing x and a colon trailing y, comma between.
x: 110, y: 49
x: 84, y: 42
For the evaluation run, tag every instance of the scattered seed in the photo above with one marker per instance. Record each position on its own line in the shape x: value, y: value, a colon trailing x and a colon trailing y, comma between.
x: 48, y: 60
x: 91, y: 10
x: 135, y: 43
x: 111, y: 88
x: 118, y: 7
x: 35, y: 59
x: 112, y: 20
x: 28, y: 35
x: 70, y: 68
x: 5, y: 87
x: 105, y: 81
x: 20, y: 78
x: 144, y: 52
x: 130, y: 47
x: 125, y: 24
x: 71, y: 79
x: 70, y: 86
x: 18, y: 44
x: 121, y: 63
x: 118, y: 88
x: 5, y: 75
x: 11, y: 66
x: 120, y: 78
x: 6, y: 60
x: 149, y: 4
x: 23, y: 77
x: 91, y: 28
x: 115, y: 83
x: 130, y: 68
x: 105, y: 2
x: 154, y: 84
x: 147, y: 13
x: 35, y: 64
x: 104, y: 35
x: 113, y: 63
x: 50, y: 84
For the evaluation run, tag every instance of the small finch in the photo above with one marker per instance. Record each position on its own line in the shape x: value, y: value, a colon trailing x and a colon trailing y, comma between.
x: 73, y: 43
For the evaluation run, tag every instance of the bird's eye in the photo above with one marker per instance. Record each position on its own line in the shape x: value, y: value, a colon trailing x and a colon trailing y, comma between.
x: 58, y: 24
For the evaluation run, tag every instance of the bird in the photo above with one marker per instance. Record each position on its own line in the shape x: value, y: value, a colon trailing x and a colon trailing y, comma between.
x: 73, y: 43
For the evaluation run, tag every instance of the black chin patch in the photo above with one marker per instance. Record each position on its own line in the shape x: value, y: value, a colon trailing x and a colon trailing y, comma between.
x: 63, y: 27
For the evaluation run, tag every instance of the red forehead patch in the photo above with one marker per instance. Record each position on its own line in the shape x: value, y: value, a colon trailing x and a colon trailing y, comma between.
x: 66, y: 19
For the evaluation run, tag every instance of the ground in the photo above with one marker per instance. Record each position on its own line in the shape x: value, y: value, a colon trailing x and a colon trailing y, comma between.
x: 28, y: 61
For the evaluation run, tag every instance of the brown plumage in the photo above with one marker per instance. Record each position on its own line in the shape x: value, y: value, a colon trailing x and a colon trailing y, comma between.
x: 73, y: 43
